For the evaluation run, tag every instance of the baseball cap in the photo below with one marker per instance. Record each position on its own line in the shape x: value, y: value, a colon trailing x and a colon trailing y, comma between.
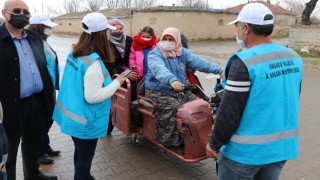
x: 41, y: 19
x: 254, y: 13
x: 96, y: 22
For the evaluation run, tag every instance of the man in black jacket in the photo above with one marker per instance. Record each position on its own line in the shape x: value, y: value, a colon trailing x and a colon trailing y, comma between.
x: 25, y: 90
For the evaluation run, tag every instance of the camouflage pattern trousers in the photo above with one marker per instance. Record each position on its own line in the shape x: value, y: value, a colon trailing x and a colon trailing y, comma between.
x: 167, y: 106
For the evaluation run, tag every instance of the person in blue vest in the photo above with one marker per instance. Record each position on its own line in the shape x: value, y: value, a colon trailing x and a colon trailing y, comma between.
x: 83, y: 105
x: 41, y: 24
x: 256, y: 128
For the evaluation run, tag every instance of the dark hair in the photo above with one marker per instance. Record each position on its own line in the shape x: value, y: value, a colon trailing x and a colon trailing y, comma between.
x: 39, y: 28
x: 184, y: 41
x: 147, y: 29
x: 95, y: 42
x: 263, y: 30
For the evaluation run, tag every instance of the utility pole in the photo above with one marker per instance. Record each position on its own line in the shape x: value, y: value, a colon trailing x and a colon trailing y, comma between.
x: 207, y: 3
x: 130, y: 10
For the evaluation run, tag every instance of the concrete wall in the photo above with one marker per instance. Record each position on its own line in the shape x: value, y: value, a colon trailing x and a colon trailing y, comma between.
x: 74, y: 26
x: 285, y: 20
x: 303, y: 36
x: 196, y: 25
x: 280, y: 31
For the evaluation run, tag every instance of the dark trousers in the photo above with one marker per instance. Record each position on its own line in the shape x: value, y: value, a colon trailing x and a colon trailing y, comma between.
x: 31, y: 130
x: 84, y: 150
x: 46, y: 125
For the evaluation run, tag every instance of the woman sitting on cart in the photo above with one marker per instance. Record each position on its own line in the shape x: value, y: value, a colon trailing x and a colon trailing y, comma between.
x: 166, y: 75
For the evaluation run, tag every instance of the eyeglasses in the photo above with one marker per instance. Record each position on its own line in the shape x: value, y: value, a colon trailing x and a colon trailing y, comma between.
x: 18, y: 11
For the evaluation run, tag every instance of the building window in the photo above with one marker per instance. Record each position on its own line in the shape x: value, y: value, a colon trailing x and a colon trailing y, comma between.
x: 69, y: 24
x: 220, y: 22
x: 153, y: 21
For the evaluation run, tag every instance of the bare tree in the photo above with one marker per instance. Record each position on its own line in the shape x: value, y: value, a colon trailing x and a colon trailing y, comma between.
x: 144, y: 3
x: 110, y: 4
x: 71, y: 6
x: 297, y: 7
x: 193, y: 3
x: 305, y: 18
x: 116, y: 4
x: 54, y: 12
x: 93, y: 5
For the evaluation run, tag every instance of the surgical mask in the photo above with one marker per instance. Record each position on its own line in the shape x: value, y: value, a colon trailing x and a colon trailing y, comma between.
x: 168, y: 46
x: 47, y: 31
x: 117, y: 34
x: 241, y: 43
x: 146, y: 39
x: 19, y: 21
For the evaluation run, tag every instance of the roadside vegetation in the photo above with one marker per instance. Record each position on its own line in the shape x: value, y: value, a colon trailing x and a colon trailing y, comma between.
x: 311, y: 59
x: 309, y: 54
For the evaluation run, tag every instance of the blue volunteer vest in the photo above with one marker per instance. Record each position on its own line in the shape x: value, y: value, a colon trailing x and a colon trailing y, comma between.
x: 72, y: 112
x: 268, y: 130
x: 52, y: 65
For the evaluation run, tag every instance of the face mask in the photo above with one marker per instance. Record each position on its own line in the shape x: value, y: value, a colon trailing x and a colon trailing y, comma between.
x: 47, y: 31
x: 146, y: 39
x: 117, y: 34
x: 19, y: 21
x: 168, y: 46
x: 241, y: 41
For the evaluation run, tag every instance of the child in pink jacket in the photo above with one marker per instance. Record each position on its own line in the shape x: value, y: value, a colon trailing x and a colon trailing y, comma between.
x: 142, y: 44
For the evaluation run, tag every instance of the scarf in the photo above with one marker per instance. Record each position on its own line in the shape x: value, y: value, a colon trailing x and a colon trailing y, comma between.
x: 120, y: 43
x: 174, y: 32
x: 139, y: 44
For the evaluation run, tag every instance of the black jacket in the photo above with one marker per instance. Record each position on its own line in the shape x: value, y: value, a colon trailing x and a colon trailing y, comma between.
x: 116, y: 67
x: 10, y: 78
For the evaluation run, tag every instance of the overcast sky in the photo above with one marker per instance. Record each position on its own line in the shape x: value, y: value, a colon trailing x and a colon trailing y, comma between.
x: 36, y: 5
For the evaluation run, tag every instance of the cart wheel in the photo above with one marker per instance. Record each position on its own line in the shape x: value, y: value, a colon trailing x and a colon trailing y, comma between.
x: 134, y: 138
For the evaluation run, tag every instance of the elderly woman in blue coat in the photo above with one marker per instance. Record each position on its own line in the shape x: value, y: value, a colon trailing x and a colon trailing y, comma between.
x: 165, y: 78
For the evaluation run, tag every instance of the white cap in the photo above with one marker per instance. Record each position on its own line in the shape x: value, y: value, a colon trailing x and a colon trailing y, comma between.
x: 41, y: 19
x: 96, y: 22
x: 254, y: 13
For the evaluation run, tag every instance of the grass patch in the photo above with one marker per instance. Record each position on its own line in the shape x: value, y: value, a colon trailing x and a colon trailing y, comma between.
x: 280, y: 36
x: 309, y: 55
x: 315, y: 63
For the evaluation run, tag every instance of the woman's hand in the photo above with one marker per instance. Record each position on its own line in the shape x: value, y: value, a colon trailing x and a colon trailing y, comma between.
x: 177, y: 86
x: 133, y: 75
x: 121, y: 79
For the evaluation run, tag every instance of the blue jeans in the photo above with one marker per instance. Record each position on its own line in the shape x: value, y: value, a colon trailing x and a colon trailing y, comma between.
x: 232, y: 170
x: 3, y: 175
x: 84, y: 150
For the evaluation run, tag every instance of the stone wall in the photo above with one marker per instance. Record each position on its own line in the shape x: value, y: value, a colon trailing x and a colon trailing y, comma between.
x: 280, y: 31
x: 196, y: 25
x: 303, y: 36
